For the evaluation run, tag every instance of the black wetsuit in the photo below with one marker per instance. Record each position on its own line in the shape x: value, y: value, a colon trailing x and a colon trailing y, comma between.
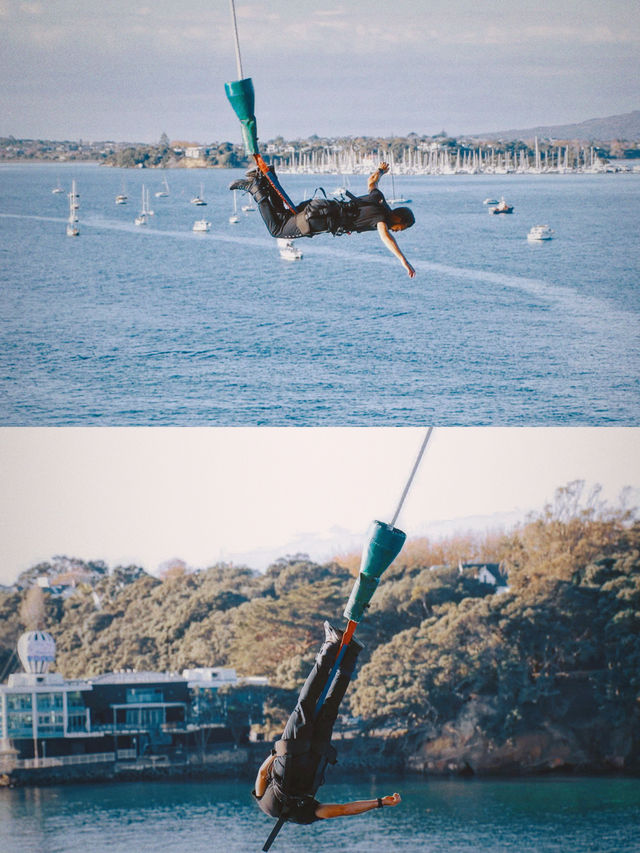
x: 320, y: 215
x: 305, y: 746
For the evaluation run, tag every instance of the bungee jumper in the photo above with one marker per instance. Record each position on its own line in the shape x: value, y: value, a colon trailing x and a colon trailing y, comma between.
x: 288, y: 779
x: 318, y: 215
x: 322, y: 215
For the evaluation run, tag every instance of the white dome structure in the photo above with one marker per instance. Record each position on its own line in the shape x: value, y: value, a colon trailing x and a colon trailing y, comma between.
x: 37, y: 650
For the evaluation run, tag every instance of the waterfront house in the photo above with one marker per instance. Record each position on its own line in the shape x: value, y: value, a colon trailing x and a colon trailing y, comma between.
x: 47, y: 720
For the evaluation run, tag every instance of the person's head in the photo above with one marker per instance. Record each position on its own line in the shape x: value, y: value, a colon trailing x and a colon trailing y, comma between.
x: 401, y: 218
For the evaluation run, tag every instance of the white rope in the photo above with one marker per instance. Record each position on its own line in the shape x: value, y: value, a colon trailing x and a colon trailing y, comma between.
x: 416, y: 465
x: 235, y: 30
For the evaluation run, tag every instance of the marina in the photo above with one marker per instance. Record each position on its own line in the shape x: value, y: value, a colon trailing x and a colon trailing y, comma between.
x: 435, y: 157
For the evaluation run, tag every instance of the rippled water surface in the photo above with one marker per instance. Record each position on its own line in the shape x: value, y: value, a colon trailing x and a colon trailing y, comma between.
x: 577, y: 815
x: 125, y: 325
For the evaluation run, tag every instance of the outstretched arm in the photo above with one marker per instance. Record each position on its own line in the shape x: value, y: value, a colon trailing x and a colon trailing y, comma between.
x: 374, y: 177
x: 326, y: 810
x: 262, y: 779
x: 392, y: 246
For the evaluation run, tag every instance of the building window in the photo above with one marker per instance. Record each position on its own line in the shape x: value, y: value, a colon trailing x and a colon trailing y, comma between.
x: 50, y: 724
x: 19, y: 702
x: 19, y: 724
x: 77, y: 722
x: 75, y: 702
x: 49, y: 701
x: 135, y: 695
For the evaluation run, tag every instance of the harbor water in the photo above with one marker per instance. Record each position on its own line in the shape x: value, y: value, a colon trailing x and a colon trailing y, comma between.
x: 158, y: 325
x: 534, y: 816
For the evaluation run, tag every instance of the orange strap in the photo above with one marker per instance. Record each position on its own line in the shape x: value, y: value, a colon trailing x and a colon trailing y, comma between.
x: 266, y: 171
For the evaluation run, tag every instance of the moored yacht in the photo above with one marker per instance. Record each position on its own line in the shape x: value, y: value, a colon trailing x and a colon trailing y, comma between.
x: 501, y: 207
x: 201, y: 225
x: 199, y: 199
x: 234, y: 218
x: 122, y: 197
x: 143, y: 218
x: 164, y: 192
x: 396, y: 199
x: 288, y: 251
x: 540, y: 232
x: 74, y: 204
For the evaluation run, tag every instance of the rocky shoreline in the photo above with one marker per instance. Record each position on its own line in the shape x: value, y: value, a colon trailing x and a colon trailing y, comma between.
x: 542, y: 752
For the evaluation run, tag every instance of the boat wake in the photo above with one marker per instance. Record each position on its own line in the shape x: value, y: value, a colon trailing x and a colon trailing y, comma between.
x: 594, y: 315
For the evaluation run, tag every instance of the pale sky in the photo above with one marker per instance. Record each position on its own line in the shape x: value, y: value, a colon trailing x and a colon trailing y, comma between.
x: 148, y: 495
x: 126, y: 70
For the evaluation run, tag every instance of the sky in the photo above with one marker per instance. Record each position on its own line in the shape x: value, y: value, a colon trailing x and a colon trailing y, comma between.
x: 123, y: 70
x: 249, y: 496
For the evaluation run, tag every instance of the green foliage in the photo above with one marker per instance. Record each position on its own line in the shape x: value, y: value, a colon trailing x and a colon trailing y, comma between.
x: 566, y: 651
x: 561, y: 647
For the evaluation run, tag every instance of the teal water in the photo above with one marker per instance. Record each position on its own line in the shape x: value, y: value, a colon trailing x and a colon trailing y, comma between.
x: 160, y: 326
x: 514, y: 816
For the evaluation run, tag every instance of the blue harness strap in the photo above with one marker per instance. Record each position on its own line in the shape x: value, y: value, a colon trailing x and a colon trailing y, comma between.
x: 332, y: 675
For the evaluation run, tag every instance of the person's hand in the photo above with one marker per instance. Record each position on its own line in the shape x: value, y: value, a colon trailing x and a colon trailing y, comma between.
x: 391, y: 800
x: 383, y: 167
x: 409, y: 269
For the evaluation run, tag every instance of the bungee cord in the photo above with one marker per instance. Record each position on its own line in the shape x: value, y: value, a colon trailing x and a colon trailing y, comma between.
x: 409, y: 482
x: 237, y: 40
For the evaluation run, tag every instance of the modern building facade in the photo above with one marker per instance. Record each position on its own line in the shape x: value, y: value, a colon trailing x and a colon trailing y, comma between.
x: 119, y: 715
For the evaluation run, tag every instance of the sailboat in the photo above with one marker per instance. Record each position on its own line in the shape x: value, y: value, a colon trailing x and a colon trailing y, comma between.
x: 72, y: 222
x: 58, y: 188
x: 341, y: 191
x: 143, y: 218
x: 122, y: 198
x: 164, y: 192
x: 234, y: 218
x: 396, y: 199
x: 199, y: 199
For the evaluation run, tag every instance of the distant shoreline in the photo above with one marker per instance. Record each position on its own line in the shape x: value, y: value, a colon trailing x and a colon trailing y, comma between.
x: 619, y: 167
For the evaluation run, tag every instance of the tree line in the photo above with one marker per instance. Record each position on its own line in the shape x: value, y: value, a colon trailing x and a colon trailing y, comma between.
x: 560, y: 647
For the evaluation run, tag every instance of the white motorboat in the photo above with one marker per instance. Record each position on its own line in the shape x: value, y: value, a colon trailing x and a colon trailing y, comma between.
x: 72, y: 222
x: 492, y: 201
x: 288, y: 251
x: 234, y: 218
x: 540, y: 232
x: 143, y: 218
x: 247, y: 208
x: 201, y: 225
x: 199, y: 199
x: 58, y: 188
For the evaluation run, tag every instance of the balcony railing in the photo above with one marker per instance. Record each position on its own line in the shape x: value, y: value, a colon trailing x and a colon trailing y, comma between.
x: 67, y: 760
